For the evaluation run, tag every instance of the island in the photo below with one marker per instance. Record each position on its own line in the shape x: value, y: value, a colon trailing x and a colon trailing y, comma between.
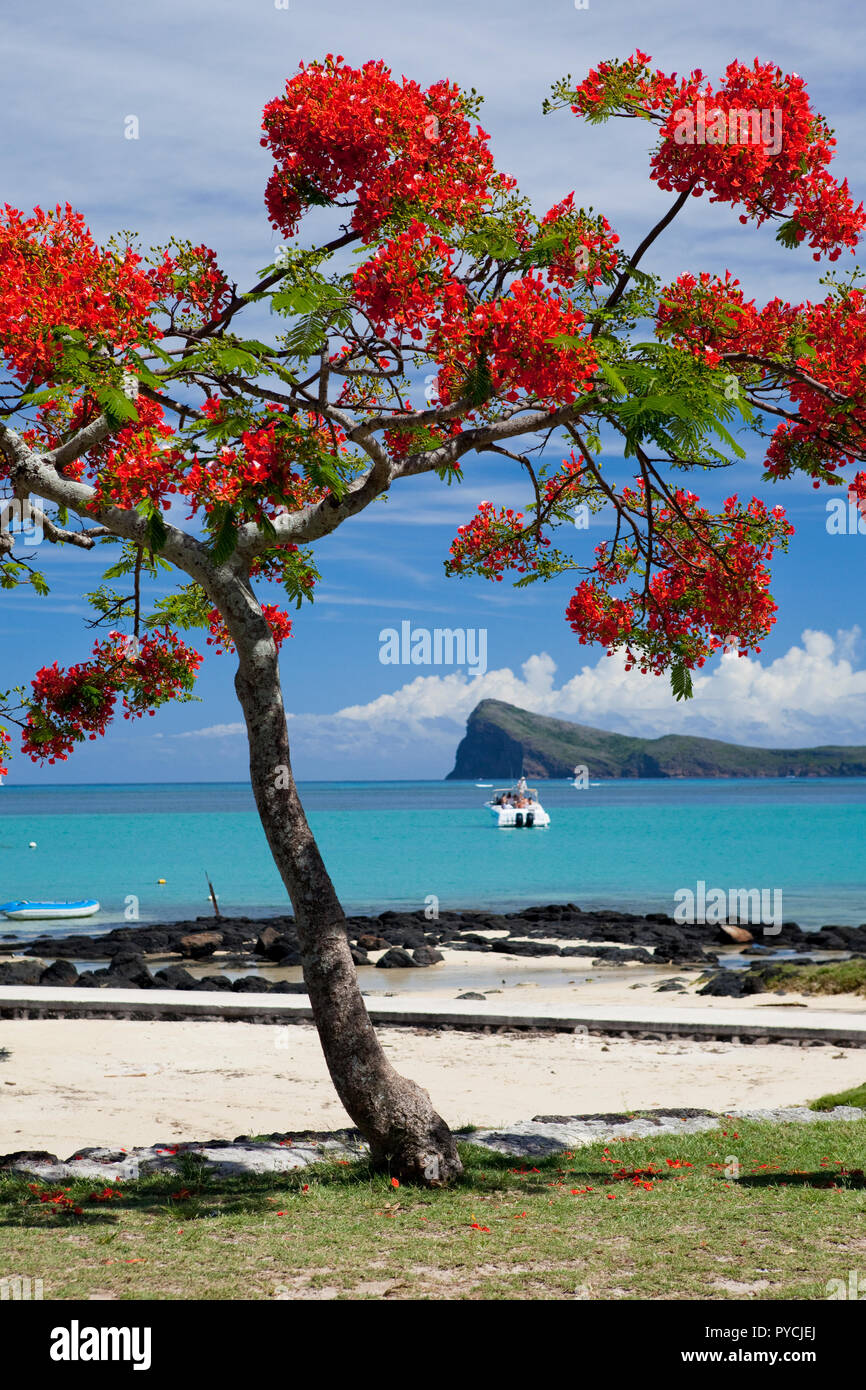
x: 503, y: 741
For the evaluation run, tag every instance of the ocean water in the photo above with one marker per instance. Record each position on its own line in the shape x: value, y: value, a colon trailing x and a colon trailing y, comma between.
x: 616, y: 844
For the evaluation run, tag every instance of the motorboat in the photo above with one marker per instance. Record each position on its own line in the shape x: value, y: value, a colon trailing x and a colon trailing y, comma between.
x: 37, y: 912
x: 518, y: 807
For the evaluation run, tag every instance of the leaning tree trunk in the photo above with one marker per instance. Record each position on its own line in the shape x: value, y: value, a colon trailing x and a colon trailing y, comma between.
x: 394, y: 1115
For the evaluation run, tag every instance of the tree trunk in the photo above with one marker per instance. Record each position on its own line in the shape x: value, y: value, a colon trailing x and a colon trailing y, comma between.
x: 394, y: 1115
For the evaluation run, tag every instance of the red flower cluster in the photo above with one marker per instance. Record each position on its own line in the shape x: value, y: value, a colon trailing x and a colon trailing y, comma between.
x: 279, y: 622
x: 5, y: 745
x: 856, y: 494
x: 493, y: 542
x: 637, y: 1177
x: 408, y: 282
x: 587, y: 252
x: 402, y: 441
x: 510, y: 339
x: 615, y: 84
x: 597, y: 616
x: 53, y: 275
x: 137, y: 464
x: 710, y: 315
x: 191, y: 280
x: 157, y: 671
x: 65, y: 706
x: 700, y: 596
x: 68, y: 705
x: 753, y: 142
x: 339, y: 131
x: 261, y: 475
x: 55, y: 1198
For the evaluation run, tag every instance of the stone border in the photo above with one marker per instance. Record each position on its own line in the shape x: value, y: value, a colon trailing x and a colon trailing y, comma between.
x: 686, y: 1024
x: 539, y: 1137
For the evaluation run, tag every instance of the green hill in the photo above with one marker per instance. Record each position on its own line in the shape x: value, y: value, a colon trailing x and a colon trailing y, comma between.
x: 503, y: 741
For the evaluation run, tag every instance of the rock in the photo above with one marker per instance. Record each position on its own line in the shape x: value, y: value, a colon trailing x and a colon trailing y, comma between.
x: 290, y: 987
x: 361, y: 957
x: 728, y: 984
x: 471, y: 995
x: 739, y: 934
x: 61, y: 973
x: 214, y: 982
x: 93, y: 979
x: 21, y: 972
x: 615, y: 955
x: 200, y: 944
x: 278, y: 946
x: 736, y: 984
x: 25, y: 1156
x: 83, y: 946
x: 525, y: 948
x: 372, y: 943
x: 396, y: 959
x: 128, y: 970
x: 471, y: 938
x: 406, y: 937
x: 251, y: 984
x: 175, y: 977
x: 667, y: 985
x: 425, y: 955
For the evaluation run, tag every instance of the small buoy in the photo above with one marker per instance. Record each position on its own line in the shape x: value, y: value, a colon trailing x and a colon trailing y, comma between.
x: 160, y: 880
x: 32, y: 844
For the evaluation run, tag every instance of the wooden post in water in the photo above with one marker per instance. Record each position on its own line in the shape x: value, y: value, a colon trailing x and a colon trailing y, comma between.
x: 213, y: 897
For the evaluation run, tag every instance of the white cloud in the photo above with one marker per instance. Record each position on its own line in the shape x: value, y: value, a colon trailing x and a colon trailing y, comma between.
x: 214, y: 731
x: 812, y: 693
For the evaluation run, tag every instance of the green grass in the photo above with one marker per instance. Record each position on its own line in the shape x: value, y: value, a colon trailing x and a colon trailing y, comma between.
x: 856, y: 1096
x: 839, y: 977
x: 794, y: 1219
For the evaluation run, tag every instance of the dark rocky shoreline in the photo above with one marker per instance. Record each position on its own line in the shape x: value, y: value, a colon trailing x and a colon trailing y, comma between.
x: 407, y: 940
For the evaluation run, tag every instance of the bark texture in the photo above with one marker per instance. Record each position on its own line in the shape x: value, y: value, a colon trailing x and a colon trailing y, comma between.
x: 394, y: 1115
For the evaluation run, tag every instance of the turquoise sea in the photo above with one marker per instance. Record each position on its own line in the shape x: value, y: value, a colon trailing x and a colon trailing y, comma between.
x: 624, y: 844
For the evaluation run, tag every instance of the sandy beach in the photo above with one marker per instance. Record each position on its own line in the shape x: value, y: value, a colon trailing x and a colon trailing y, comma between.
x: 69, y: 1083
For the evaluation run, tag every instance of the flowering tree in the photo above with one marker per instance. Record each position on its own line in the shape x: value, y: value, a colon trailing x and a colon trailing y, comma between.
x: 135, y: 413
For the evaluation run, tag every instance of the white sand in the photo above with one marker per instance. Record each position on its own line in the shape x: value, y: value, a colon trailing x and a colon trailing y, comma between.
x: 76, y: 1082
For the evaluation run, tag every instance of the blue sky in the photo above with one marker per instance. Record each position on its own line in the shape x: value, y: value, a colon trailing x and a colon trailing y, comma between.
x: 197, y: 76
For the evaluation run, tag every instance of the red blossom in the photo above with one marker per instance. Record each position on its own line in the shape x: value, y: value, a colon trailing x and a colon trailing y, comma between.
x: 53, y: 276
x: 279, y: 622
x: 68, y: 706
x: 709, y: 144
x: 342, y: 132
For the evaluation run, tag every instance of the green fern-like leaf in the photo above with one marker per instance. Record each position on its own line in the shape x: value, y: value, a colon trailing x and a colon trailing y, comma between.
x: 681, y: 683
